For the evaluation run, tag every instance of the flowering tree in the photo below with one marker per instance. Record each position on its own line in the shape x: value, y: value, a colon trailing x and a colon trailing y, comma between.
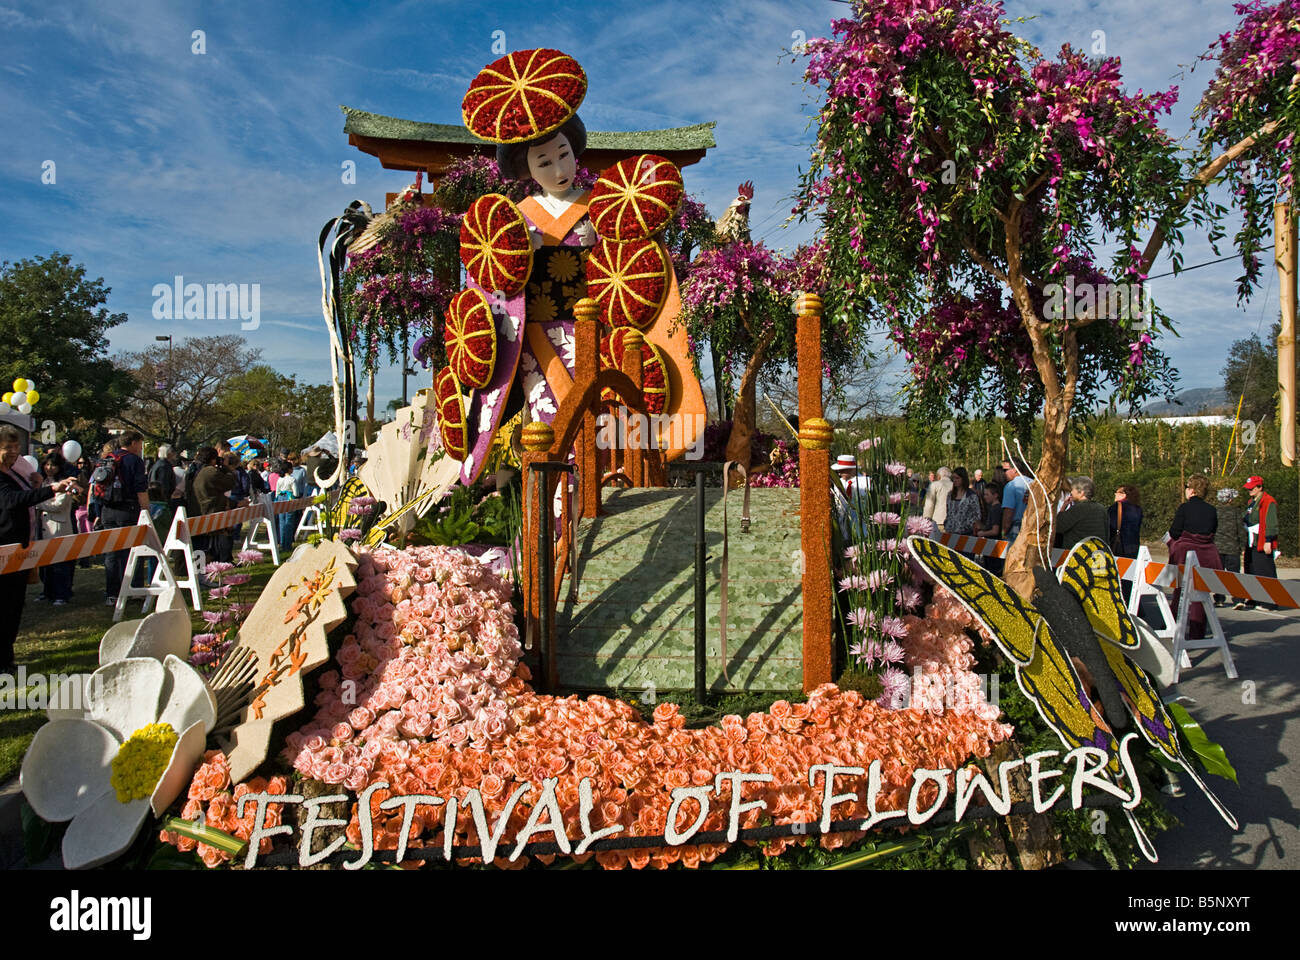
x: 956, y: 167
x: 404, y: 282
x: 1248, y: 119
x: 740, y: 298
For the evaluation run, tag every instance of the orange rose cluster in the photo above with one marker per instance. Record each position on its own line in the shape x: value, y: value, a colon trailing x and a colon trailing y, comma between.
x: 210, y: 797
x: 633, y: 766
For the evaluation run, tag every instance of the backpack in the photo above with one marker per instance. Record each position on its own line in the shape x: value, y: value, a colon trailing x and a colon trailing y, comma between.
x: 106, y: 480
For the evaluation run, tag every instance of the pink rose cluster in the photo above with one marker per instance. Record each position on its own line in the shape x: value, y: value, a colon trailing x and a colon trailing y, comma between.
x: 435, y: 656
x: 939, y: 646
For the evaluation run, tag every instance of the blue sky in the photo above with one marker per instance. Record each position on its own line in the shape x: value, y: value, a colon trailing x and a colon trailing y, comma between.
x: 222, y: 167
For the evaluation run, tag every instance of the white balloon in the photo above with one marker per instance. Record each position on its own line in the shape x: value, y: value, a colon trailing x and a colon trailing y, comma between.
x: 71, y: 450
x: 25, y: 408
x: 33, y: 461
x: 4, y: 407
x: 19, y: 398
x: 31, y: 385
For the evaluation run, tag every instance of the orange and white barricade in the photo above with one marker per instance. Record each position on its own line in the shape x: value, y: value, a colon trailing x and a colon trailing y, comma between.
x: 42, y: 553
x: 140, y: 538
x: 1197, y: 590
x: 310, y: 521
x: 1151, y: 579
x: 263, y: 522
x: 184, y: 529
x: 178, y: 541
x: 1201, y: 584
x: 163, y: 582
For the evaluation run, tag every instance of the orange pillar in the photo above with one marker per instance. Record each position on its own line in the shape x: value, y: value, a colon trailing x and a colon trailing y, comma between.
x: 634, y: 462
x: 815, y: 436
x: 586, y: 363
x: 537, y: 440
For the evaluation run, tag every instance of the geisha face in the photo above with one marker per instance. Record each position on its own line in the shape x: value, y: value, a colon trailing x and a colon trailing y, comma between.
x: 553, y: 165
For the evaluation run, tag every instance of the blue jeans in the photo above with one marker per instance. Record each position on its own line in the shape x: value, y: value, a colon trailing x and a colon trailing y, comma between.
x: 287, y: 527
x: 115, y: 563
x: 58, y: 580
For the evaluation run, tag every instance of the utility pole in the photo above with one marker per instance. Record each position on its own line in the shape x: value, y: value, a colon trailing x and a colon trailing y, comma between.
x: 1284, y: 236
x: 171, y: 373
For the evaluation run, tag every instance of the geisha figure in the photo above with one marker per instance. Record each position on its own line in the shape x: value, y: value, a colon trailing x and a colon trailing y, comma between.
x: 561, y: 234
x: 510, y: 332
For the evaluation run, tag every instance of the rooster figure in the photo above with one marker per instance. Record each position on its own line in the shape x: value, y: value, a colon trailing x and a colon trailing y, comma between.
x: 733, y: 225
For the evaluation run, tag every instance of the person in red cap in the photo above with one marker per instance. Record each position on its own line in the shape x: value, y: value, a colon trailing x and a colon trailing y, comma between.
x: 1262, y: 526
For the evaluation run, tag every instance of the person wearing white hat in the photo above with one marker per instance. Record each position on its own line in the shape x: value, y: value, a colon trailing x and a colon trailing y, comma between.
x: 853, y: 493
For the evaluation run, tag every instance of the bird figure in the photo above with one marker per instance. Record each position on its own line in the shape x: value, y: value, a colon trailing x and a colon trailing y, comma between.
x: 370, y: 235
x: 733, y: 225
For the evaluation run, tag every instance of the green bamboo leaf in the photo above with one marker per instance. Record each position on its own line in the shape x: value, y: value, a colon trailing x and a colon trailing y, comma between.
x: 204, y: 834
x: 861, y: 857
x: 1212, y: 755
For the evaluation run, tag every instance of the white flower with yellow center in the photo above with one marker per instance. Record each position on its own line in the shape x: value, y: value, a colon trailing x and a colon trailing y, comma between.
x: 132, y: 751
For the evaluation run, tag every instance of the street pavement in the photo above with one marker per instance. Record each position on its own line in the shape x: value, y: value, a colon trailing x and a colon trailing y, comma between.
x: 1256, y: 719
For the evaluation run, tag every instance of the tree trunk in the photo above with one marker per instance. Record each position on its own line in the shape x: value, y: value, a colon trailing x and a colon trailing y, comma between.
x: 719, y: 391
x: 370, y: 397
x: 1033, y: 547
x: 744, y: 421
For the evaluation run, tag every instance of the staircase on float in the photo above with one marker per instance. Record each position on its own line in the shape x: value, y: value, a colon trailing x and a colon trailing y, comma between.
x: 632, y: 623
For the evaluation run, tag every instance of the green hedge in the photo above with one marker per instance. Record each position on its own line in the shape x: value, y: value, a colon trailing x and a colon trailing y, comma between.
x: 1161, y: 490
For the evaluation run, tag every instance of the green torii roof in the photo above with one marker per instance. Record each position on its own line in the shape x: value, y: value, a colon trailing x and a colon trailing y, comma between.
x: 366, y: 124
x: 410, y: 144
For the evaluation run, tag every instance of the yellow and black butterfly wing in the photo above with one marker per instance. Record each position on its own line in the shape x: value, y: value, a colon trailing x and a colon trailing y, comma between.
x: 1043, y: 669
x: 1010, y: 620
x: 379, y: 531
x: 1053, y: 685
x: 1154, y: 722
x: 337, y: 515
x: 1091, y: 574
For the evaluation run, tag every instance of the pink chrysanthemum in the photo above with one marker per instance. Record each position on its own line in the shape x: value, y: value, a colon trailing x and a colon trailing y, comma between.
x: 896, y: 689
x: 891, y: 651
x: 862, y: 618
x: 879, y: 579
x: 908, y: 597
x: 893, y: 627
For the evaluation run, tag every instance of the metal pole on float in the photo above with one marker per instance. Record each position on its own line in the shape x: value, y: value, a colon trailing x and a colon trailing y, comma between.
x: 700, y: 587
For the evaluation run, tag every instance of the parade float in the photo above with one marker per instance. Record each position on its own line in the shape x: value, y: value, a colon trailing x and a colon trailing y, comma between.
x: 522, y: 675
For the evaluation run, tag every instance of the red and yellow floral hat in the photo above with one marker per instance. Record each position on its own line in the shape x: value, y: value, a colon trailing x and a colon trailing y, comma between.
x: 524, y: 95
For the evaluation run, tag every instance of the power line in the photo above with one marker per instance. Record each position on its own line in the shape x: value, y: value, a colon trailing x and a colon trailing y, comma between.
x: 1197, y: 266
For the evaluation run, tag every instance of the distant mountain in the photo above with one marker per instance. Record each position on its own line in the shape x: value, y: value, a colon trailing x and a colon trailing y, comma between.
x: 1196, y: 402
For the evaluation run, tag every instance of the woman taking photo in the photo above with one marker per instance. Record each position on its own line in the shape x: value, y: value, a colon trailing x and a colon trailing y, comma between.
x: 57, y: 521
x: 19, y: 495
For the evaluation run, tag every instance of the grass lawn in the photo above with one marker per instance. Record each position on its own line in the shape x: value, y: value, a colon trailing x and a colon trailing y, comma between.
x: 53, y: 640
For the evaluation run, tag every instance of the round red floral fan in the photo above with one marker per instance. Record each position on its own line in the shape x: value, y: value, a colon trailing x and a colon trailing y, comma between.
x: 523, y: 95
x: 471, y: 338
x: 495, y: 245
x: 635, y: 198
x: 654, y: 369
x: 629, y: 281
x: 451, y: 413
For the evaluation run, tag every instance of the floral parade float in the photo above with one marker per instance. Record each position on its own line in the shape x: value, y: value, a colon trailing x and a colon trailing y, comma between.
x: 391, y: 703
